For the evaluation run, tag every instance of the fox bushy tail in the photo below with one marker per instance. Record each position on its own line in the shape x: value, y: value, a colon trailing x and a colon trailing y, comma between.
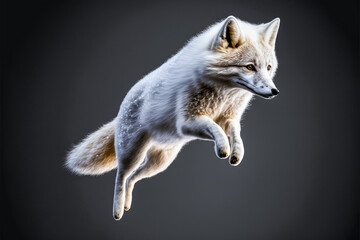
x: 95, y: 154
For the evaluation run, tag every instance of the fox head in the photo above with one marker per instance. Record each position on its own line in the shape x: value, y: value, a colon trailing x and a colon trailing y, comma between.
x: 245, y: 56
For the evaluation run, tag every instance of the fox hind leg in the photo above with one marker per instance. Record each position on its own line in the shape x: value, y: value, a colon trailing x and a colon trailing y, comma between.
x: 129, y: 158
x: 157, y: 160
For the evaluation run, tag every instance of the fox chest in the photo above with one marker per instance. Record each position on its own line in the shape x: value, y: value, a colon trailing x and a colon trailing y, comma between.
x: 215, y: 102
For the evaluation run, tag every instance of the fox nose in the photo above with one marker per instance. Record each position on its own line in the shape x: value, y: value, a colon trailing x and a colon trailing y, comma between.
x: 275, y: 92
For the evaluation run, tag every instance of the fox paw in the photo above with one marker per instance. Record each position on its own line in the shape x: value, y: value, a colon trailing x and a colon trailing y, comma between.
x: 222, y: 154
x: 118, y: 215
x: 222, y: 150
x: 234, y: 160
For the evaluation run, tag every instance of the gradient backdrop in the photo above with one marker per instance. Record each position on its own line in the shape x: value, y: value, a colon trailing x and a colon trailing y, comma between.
x: 66, y: 68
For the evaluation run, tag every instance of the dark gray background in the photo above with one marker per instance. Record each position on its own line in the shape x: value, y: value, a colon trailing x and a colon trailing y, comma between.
x: 66, y: 68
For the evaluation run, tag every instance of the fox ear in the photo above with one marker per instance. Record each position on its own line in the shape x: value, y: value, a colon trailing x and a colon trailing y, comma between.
x: 271, y: 30
x: 229, y: 35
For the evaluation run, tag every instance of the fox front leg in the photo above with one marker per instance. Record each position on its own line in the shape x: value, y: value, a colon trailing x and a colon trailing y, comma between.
x: 205, y: 128
x: 233, y: 128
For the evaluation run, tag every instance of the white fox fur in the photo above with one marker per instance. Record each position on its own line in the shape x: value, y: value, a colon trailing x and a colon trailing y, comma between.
x: 199, y: 93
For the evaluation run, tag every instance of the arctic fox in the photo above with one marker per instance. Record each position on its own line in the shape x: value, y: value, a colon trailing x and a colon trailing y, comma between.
x: 199, y: 93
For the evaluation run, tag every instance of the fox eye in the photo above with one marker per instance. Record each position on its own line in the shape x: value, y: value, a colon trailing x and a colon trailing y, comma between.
x: 268, y: 67
x: 251, y: 67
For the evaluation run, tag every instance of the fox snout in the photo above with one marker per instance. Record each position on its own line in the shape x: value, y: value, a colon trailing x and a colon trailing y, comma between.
x: 272, y: 93
x: 264, y: 89
x: 268, y: 93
